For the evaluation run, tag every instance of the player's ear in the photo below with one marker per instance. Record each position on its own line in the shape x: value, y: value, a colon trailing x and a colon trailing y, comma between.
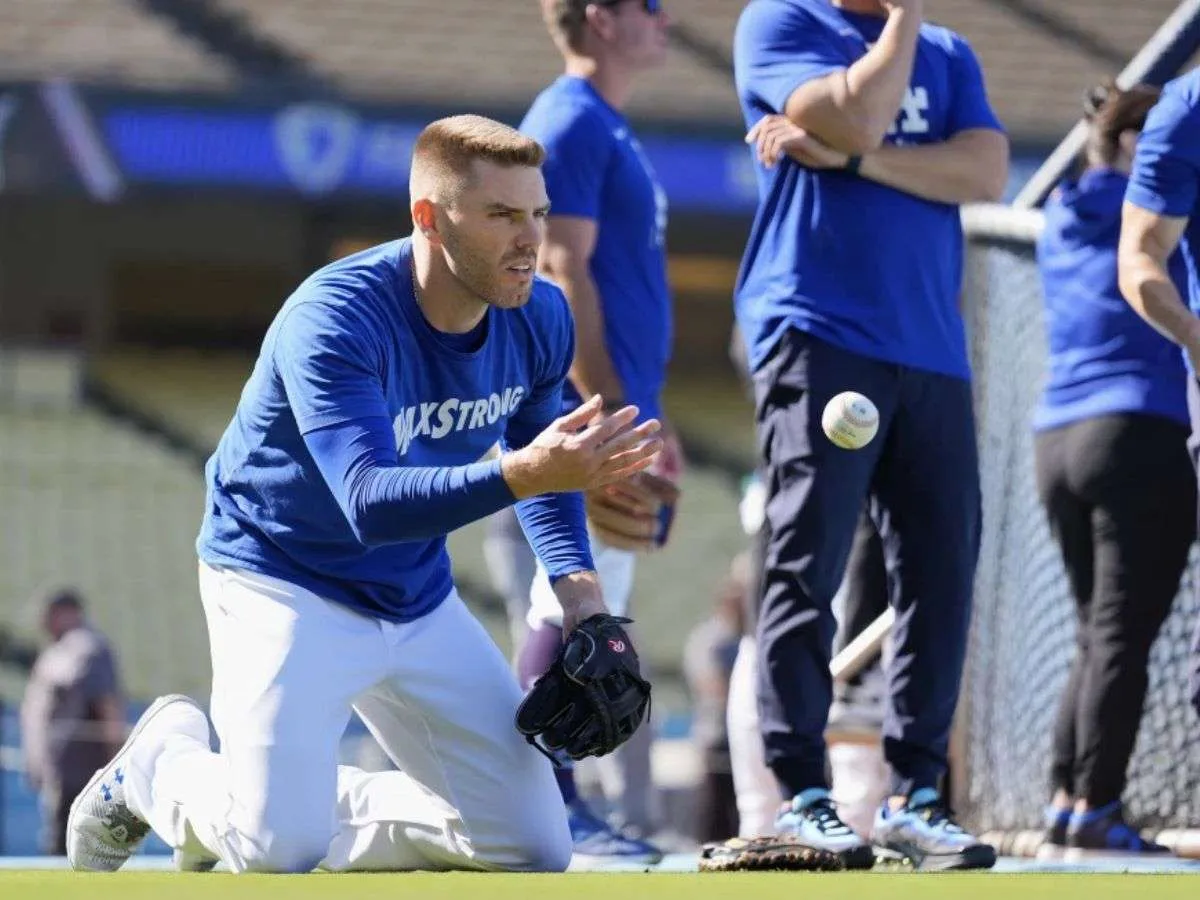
x: 424, y: 215
x: 600, y: 18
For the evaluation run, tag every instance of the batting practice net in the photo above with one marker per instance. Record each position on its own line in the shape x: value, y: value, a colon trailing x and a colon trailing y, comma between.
x: 1023, y: 630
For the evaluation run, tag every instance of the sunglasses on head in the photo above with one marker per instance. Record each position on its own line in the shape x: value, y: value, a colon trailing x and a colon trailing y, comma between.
x: 652, y: 7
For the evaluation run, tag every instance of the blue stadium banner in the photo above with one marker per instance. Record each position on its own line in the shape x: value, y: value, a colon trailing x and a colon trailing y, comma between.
x: 320, y: 149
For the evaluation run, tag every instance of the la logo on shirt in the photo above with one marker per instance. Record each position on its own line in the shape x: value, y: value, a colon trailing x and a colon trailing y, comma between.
x: 912, y: 119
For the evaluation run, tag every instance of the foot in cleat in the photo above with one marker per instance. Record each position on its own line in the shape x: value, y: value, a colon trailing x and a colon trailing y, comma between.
x: 103, y: 830
x: 923, y: 835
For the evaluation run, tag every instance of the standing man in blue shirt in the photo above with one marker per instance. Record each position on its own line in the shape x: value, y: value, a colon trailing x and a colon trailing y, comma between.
x: 606, y: 248
x: 1161, y: 214
x: 363, y: 437
x: 869, y: 128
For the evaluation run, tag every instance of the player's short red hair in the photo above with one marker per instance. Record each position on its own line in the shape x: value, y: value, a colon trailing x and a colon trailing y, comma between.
x: 450, y: 146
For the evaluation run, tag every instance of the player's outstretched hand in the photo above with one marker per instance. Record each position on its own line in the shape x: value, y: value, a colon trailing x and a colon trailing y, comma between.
x: 582, y: 450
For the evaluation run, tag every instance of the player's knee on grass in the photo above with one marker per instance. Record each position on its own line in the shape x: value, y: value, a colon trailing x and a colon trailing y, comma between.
x: 549, y: 853
x: 288, y: 848
x: 537, y: 839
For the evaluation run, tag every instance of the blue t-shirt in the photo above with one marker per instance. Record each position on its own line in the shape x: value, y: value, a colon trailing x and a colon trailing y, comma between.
x: 595, y: 169
x: 349, y: 346
x: 1166, y: 169
x: 1103, y: 358
x: 858, y: 264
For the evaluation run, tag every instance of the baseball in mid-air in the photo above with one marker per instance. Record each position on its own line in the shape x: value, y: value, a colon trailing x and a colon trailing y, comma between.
x: 850, y: 420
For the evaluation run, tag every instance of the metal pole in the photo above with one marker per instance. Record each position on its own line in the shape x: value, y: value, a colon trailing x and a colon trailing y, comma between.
x: 1156, y: 63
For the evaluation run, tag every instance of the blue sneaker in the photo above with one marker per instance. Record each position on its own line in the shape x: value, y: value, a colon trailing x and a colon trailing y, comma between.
x: 1104, y: 832
x: 922, y: 834
x: 1054, y: 839
x: 595, y: 840
x: 812, y: 819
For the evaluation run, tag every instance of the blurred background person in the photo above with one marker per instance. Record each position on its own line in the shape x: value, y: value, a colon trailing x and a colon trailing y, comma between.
x: 754, y: 785
x: 1114, y: 476
x: 72, y: 714
x: 708, y: 659
x: 606, y: 248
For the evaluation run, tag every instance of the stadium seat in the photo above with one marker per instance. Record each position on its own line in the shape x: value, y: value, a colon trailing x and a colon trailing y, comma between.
x: 95, y: 503
x: 114, y: 41
x: 446, y: 52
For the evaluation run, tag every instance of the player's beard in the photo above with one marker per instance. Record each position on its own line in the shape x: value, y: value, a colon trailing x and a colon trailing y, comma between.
x: 483, y: 276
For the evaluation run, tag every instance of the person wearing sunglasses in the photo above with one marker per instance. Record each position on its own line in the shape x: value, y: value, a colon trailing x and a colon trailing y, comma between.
x: 606, y: 248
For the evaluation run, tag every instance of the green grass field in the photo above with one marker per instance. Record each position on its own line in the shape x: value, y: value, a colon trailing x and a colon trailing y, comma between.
x: 594, y: 886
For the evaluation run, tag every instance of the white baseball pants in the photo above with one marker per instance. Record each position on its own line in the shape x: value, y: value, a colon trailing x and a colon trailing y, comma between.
x: 436, y: 693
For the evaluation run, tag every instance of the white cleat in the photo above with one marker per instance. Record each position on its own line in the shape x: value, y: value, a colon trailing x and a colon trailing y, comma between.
x: 102, y: 831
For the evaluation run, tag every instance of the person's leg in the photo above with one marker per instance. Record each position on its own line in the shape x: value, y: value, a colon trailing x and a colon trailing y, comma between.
x: 471, y: 792
x: 815, y: 492
x: 856, y: 768
x: 286, y: 666
x: 626, y: 773
x: 716, y: 807
x: 594, y: 837
x: 511, y: 565
x: 1193, y: 404
x: 1135, y: 469
x: 754, y: 783
x: 56, y: 807
x: 926, y: 501
x: 1070, y: 520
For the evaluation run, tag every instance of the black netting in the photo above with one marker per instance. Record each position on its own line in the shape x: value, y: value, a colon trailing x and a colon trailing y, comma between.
x: 1023, y: 629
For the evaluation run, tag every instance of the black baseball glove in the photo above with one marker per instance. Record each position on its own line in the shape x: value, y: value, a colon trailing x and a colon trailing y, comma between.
x: 592, y: 699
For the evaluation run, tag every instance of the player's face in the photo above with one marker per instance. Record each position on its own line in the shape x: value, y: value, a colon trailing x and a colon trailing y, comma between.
x: 494, y: 231
x: 641, y: 32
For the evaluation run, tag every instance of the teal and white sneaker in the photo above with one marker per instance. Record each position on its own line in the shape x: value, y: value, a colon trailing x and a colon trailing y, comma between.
x: 102, y: 830
x: 922, y: 834
x: 812, y: 819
